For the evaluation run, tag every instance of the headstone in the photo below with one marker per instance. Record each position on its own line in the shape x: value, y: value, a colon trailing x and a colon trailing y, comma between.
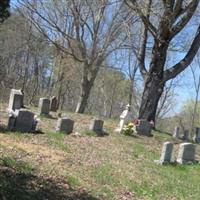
x: 196, y: 137
x: 53, y: 104
x: 125, y: 117
x: 16, y: 100
x: 97, y: 126
x: 144, y: 128
x: 22, y: 120
x: 186, y: 153
x: 186, y: 135
x: 176, y: 133
x: 44, y: 106
x: 166, y: 155
x: 65, y: 125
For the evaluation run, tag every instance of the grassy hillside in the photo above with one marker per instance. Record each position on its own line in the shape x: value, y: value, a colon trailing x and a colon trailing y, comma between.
x: 81, y: 166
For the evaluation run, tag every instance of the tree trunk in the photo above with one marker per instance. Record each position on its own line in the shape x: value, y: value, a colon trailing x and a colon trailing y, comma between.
x: 86, y: 86
x: 152, y: 92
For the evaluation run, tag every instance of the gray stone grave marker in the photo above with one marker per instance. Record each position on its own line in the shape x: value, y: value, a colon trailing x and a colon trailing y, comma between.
x: 16, y: 100
x: 196, y: 137
x: 176, y: 133
x: 97, y: 126
x: 53, y: 104
x: 144, y: 128
x: 65, y: 125
x: 186, y: 153
x: 44, y: 106
x: 22, y: 120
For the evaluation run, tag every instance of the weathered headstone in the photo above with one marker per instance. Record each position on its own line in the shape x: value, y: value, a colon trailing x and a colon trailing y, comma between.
x: 144, y: 128
x: 166, y: 155
x: 176, y: 133
x: 44, y: 106
x: 196, y: 137
x: 65, y: 125
x: 16, y: 100
x: 125, y: 117
x: 22, y: 120
x: 53, y: 104
x: 97, y: 126
x: 186, y: 153
x: 186, y: 135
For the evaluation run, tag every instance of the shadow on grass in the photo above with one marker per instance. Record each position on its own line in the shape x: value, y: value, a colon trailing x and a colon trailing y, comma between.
x: 4, y: 129
x: 164, y: 132
x: 17, y: 185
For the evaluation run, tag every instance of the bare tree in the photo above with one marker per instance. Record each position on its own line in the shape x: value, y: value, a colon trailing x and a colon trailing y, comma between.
x: 162, y: 22
x: 88, y: 31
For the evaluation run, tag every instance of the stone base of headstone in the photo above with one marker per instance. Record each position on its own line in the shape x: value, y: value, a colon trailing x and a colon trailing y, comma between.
x: 97, y: 126
x: 65, y: 125
x: 186, y: 153
x: 144, y: 128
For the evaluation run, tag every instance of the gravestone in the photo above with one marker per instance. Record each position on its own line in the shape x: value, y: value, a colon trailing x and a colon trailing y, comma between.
x: 186, y: 153
x: 16, y: 100
x: 144, y: 128
x: 186, y: 135
x: 196, y: 137
x: 166, y: 154
x: 22, y: 120
x: 97, y: 126
x: 65, y: 125
x: 125, y: 117
x: 53, y: 104
x: 176, y: 133
x: 44, y: 106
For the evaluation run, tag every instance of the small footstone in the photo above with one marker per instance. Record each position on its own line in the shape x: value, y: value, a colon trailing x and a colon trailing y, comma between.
x: 97, y: 126
x: 65, y: 125
x: 186, y: 153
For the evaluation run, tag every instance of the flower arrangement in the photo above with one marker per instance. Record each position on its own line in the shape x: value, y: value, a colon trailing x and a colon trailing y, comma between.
x: 129, y: 129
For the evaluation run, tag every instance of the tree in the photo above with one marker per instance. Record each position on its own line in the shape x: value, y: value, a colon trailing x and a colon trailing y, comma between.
x: 88, y: 31
x: 4, y: 10
x: 162, y: 22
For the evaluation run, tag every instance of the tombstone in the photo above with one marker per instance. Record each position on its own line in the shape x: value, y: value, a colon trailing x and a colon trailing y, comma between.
x: 22, y: 120
x: 176, y: 132
x: 166, y: 155
x: 65, y: 125
x: 186, y: 153
x: 53, y: 104
x: 44, y: 106
x: 97, y: 126
x: 16, y: 100
x: 186, y: 135
x: 144, y: 128
x: 125, y: 117
x: 196, y: 137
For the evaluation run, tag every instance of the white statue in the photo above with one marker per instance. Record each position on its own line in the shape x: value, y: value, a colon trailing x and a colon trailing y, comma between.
x: 124, y: 119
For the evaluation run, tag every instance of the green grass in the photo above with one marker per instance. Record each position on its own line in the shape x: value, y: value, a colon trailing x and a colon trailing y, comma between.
x: 107, y: 167
x: 18, y: 165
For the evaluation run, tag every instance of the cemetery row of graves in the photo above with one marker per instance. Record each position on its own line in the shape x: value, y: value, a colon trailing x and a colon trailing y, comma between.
x: 23, y: 120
